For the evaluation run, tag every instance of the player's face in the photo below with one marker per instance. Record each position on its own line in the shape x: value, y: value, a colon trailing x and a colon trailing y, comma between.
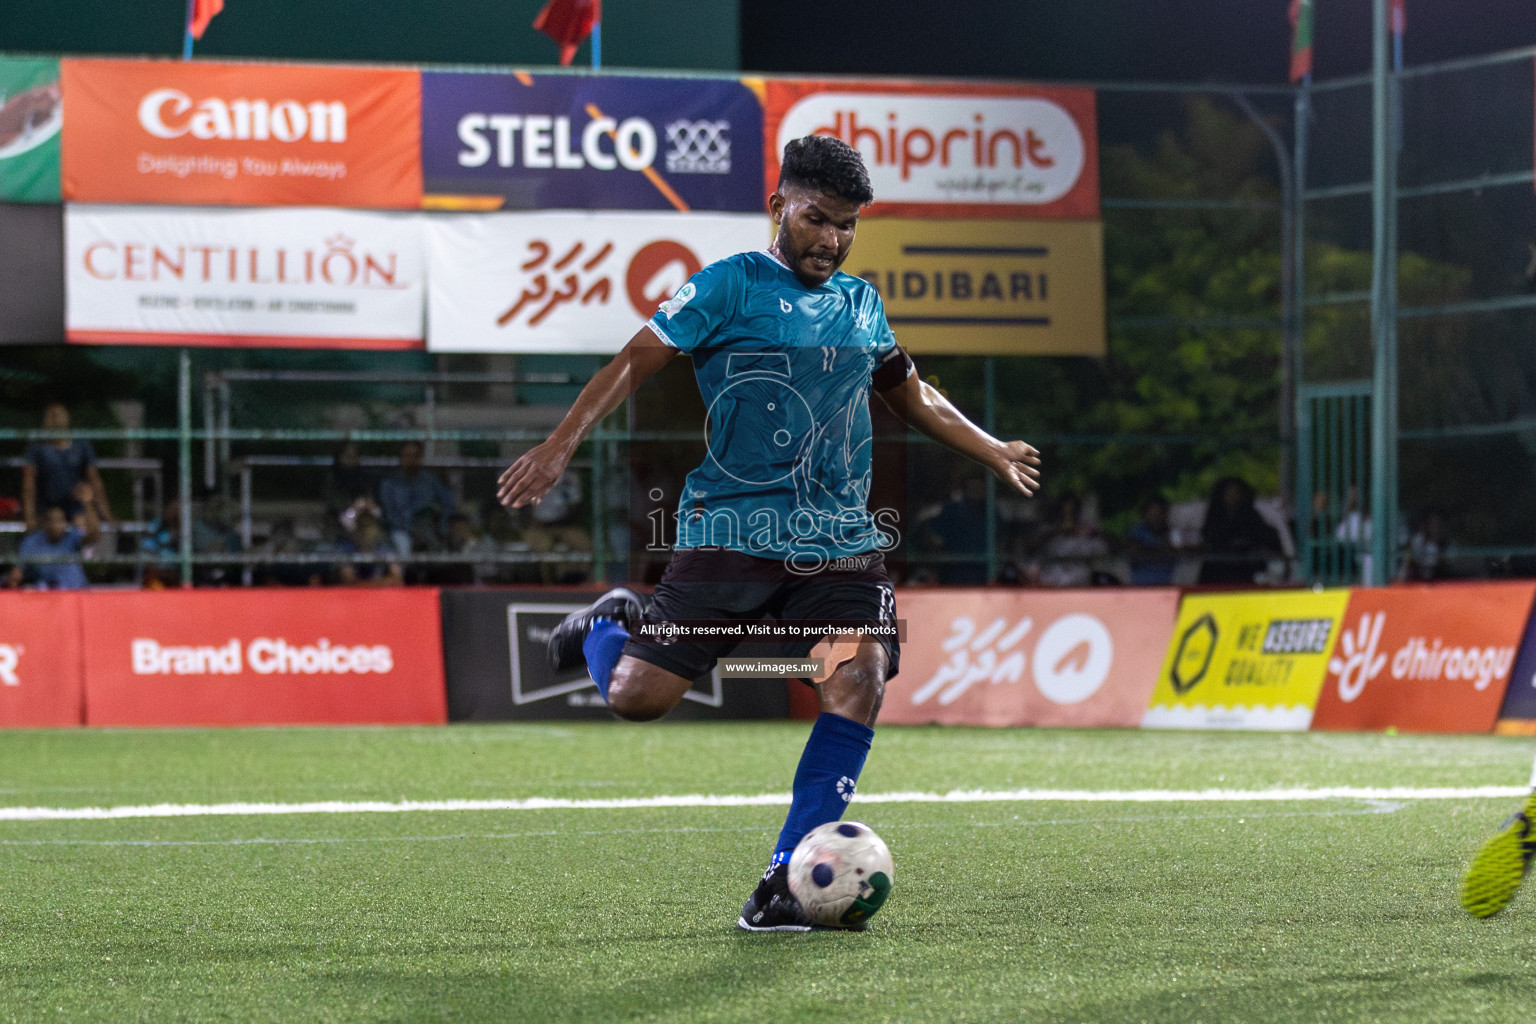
x: 815, y: 232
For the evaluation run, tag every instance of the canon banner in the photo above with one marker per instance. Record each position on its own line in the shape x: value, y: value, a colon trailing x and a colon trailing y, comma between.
x: 239, y: 657
x: 31, y: 114
x: 1246, y: 660
x: 194, y: 132
x: 41, y: 683
x: 1424, y: 658
x: 952, y: 150
x: 987, y: 287
x: 605, y: 142
x: 1047, y: 658
x: 312, y: 278
x: 566, y: 282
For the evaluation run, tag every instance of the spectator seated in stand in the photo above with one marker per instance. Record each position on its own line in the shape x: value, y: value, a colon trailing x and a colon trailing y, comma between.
x: 1152, y: 554
x: 55, y: 469
x: 465, y: 539
x: 416, y: 504
x: 58, y: 538
x: 210, y: 536
x: 350, y: 488
x: 284, y: 540
x: 555, y: 529
x: 1068, y: 552
x: 1425, y: 557
x: 369, y: 539
x: 959, y: 531
x: 1238, y: 542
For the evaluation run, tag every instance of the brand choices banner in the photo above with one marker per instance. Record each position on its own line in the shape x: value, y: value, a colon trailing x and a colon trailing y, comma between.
x: 239, y: 657
x: 951, y: 150
x: 1007, y: 658
x: 31, y: 114
x: 1425, y: 658
x: 590, y: 142
x: 566, y: 282
x: 241, y: 134
x: 314, y: 278
x: 41, y: 683
x: 1003, y: 287
x: 1246, y: 660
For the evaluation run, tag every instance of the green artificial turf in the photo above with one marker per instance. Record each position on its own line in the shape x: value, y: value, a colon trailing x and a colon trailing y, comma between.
x: 1263, y: 911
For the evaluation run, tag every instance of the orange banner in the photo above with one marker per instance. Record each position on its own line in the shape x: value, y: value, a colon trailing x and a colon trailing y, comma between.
x: 40, y: 672
x: 950, y: 150
x: 198, y: 133
x: 243, y: 657
x: 1075, y: 658
x: 1424, y: 658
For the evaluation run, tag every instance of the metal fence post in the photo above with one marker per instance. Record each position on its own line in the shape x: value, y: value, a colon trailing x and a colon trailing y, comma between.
x: 184, y: 460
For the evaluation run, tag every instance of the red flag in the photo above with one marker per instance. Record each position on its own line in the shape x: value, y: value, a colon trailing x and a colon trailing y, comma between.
x: 1301, y: 39
x: 568, y: 22
x: 202, y: 13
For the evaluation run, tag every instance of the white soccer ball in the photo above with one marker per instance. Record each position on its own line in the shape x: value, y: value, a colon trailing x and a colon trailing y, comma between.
x: 841, y: 873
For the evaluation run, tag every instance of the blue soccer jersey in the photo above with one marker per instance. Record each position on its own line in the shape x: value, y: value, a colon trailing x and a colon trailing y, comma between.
x: 785, y: 373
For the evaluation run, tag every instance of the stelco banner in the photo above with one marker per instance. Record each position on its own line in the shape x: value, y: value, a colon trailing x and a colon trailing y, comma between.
x: 590, y: 142
x: 238, y: 657
x: 31, y: 114
x: 312, y: 278
x: 1425, y: 658
x: 951, y: 150
x: 991, y: 287
x: 1071, y: 658
x: 566, y: 282
x: 1246, y: 660
x: 41, y: 684
x: 241, y: 134
x: 1517, y: 716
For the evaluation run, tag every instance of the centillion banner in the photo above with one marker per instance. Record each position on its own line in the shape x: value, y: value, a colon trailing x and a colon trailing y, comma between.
x: 987, y: 287
x: 1247, y: 661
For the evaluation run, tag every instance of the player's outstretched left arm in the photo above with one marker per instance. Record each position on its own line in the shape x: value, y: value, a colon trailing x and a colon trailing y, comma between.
x: 920, y: 405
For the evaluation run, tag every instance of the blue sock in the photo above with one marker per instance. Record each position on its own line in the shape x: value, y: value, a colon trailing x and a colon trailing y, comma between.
x: 603, y: 645
x: 829, y: 770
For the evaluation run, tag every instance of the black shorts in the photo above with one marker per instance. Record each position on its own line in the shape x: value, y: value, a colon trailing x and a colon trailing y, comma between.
x: 731, y: 586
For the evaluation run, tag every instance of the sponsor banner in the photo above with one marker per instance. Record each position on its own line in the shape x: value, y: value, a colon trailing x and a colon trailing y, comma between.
x: 1246, y: 660
x: 31, y: 253
x: 1424, y: 658
x: 241, y: 657
x: 41, y: 681
x: 1006, y: 658
x: 566, y: 282
x: 588, y: 142
x: 312, y: 278
x: 1517, y: 716
x: 987, y: 287
x: 201, y: 133
x: 495, y: 649
x: 31, y: 114
x: 952, y: 150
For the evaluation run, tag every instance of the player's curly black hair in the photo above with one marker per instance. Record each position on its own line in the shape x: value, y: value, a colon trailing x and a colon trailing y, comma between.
x: 827, y: 165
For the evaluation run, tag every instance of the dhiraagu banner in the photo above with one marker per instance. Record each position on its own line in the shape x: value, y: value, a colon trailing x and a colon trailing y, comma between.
x: 31, y: 114
x: 1247, y: 661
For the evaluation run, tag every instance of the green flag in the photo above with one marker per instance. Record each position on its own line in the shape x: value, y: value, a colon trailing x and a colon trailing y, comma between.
x: 1301, y: 39
x: 31, y: 113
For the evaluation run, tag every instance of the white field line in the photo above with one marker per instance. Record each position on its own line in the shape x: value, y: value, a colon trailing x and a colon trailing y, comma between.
x: 957, y: 796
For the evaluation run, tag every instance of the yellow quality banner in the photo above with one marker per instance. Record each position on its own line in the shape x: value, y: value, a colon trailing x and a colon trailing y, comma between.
x: 1247, y: 661
x: 987, y: 287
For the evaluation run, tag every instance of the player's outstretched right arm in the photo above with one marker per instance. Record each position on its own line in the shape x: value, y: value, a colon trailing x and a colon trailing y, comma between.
x: 536, y: 470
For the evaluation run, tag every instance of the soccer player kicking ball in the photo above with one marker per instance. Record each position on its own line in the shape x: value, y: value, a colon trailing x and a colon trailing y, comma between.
x: 775, y: 523
x: 1498, y: 868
